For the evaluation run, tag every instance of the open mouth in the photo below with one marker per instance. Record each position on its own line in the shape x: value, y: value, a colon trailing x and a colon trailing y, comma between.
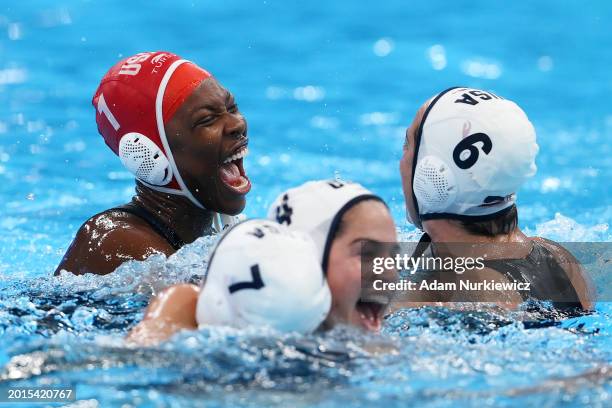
x: 231, y: 171
x: 371, y: 312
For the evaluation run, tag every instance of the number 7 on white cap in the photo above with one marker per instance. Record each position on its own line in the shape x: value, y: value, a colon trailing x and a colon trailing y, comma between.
x: 103, y: 108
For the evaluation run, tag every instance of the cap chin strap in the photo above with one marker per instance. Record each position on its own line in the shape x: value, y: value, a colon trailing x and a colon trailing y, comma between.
x: 421, y: 246
x: 415, y: 161
x: 162, y: 135
x: 220, y: 221
x: 425, y: 240
x: 435, y: 186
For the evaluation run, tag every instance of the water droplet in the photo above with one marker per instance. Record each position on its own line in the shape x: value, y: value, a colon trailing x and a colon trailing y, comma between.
x: 437, y: 57
x: 545, y: 63
x: 383, y: 47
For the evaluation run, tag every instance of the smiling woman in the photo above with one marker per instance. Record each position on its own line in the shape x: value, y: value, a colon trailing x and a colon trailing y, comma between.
x: 180, y: 133
x: 209, y: 141
x: 340, y: 217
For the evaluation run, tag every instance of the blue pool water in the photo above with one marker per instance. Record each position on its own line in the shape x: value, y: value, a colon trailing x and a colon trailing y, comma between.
x: 328, y: 89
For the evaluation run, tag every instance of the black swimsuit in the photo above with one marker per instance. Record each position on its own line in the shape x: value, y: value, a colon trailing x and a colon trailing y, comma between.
x: 162, y: 229
x: 547, y: 278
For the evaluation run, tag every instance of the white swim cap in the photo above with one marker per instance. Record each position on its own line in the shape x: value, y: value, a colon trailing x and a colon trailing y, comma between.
x: 261, y: 273
x: 317, y: 207
x: 473, y: 150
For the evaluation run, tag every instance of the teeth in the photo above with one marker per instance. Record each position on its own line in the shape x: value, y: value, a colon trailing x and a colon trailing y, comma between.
x: 238, y: 155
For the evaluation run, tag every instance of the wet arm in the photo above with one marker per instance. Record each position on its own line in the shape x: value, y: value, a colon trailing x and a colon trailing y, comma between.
x: 174, y: 309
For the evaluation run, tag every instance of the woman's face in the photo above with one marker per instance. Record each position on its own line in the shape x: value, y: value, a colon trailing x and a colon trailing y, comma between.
x: 406, y: 162
x: 367, y: 222
x: 208, y: 138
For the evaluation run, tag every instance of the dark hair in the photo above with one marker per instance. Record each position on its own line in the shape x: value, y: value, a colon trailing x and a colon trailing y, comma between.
x: 502, y: 224
x: 337, y: 228
x: 341, y: 226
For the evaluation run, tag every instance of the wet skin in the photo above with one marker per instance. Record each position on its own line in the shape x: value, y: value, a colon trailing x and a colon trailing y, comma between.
x: 204, y: 131
x: 451, y: 231
x: 407, y: 160
x: 207, y: 129
x: 174, y: 308
x: 368, y: 221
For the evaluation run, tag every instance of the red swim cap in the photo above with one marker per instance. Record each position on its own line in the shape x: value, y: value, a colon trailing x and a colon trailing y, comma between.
x: 133, y: 102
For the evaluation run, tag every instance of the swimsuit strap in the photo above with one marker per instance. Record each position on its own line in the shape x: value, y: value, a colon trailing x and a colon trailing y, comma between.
x: 547, y: 278
x: 163, y: 230
x: 421, y: 246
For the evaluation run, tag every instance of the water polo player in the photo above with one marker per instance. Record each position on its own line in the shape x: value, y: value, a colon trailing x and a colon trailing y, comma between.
x: 466, y: 154
x: 259, y: 274
x: 341, y: 217
x: 180, y: 133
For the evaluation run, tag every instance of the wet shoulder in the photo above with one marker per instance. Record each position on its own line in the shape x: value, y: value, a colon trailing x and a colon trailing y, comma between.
x: 572, y: 268
x: 121, y: 227
x: 561, y: 255
x: 108, y: 239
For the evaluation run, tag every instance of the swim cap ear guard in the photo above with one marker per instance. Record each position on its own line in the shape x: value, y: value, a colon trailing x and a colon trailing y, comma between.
x: 134, y: 101
x: 473, y: 150
x: 144, y: 159
x: 434, y: 183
